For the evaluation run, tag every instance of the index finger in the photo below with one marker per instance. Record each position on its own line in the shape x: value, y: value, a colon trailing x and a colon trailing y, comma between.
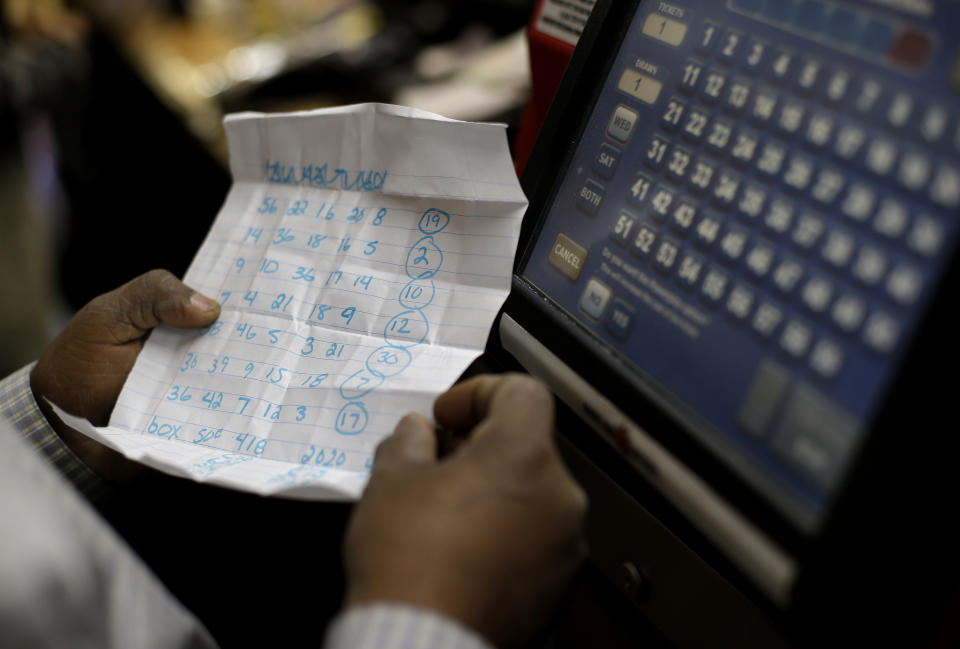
x: 507, y: 404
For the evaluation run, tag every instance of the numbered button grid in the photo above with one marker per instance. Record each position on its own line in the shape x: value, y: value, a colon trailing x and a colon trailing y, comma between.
x: 786, y: 194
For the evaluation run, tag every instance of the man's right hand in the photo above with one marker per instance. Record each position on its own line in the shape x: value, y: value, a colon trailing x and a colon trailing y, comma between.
x: 488, y: 536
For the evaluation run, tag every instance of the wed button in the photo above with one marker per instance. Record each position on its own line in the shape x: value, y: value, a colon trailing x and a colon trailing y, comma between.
x: 567, y: 256
x: 622, y: 124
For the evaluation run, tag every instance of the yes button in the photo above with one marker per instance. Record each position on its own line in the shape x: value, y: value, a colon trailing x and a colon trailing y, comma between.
x: 620, y: 319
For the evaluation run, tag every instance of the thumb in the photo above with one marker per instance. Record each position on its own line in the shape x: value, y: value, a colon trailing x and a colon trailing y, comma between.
x: 413, y: 443
x: 154, y: 298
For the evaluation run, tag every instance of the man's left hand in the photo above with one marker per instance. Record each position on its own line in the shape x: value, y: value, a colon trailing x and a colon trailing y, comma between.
x: 85, y: 367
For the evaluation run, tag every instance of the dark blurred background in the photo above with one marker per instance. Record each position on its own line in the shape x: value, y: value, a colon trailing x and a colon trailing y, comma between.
x: 112, y: 155
x: 113, y: 162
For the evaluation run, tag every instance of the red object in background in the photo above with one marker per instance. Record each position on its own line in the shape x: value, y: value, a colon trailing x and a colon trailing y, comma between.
x: 911, y: 48
x: 548, y: 60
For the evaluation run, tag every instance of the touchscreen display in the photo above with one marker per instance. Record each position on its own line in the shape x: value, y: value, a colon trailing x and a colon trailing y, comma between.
x: 756, y: 215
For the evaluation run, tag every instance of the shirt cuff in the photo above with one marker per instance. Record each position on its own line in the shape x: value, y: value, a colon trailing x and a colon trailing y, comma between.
x: 398, y: 626
x: 18, y: 405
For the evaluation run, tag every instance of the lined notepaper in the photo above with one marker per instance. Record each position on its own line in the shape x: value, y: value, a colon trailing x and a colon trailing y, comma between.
x: 360, y: 259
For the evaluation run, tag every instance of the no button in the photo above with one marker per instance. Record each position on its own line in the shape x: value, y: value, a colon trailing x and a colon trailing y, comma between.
x: 595, y: 299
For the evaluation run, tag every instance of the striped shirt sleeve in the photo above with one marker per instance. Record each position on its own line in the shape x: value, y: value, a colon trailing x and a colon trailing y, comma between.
x: 18, y: 405
x: 397, y: 626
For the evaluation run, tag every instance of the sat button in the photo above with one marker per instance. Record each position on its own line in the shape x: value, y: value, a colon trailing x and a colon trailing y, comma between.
x: 606, y: 162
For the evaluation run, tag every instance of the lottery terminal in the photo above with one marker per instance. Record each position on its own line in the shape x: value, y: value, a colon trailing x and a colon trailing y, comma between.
x: 737, y: 274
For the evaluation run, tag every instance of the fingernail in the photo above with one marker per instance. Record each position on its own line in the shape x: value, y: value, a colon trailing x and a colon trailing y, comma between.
x: 202, y: 302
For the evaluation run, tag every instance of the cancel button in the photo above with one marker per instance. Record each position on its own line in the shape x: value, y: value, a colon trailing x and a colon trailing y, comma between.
x: 568, y: 256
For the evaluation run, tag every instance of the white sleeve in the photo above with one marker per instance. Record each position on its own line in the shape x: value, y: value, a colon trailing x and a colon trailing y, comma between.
x: 66, y: 579
x: 397, y: 626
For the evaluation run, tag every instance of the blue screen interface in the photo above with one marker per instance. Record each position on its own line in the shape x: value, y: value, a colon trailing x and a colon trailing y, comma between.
x: 757, y: 215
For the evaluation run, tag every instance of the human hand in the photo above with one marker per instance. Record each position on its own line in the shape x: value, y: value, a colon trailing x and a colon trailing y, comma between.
x: 488, y: 536
x: 84, y: 368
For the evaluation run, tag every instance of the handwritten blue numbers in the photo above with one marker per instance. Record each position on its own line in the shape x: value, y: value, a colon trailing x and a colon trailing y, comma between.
x: 418, y: 293
x: 424, y: 259
x: 269, y: 206
x: 207, y: 435
x: 247, y: 443
x: 299, y: 259
x: 190, y: 362
x: 213, y: 400
x: 388, y: 361
x: 407, y: 329
x: 304, y: 273
x: 281, y: 302
x: 323, y: 456
x: 433, y: 221
x: 352, y: 419
x: 326, y: 212
x: 298, y: 208
x: 179, y: 393
x: 284, y: 235
x: 403, y: 331
x: 360, y: 384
